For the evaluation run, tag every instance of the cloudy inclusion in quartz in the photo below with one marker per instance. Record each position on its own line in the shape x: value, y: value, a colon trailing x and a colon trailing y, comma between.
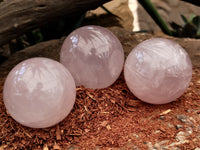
x: 93, y: 55
x: 158, y: 71
x: 39, y: 92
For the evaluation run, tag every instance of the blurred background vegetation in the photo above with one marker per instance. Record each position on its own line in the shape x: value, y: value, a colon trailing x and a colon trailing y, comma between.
x: 64, y: 26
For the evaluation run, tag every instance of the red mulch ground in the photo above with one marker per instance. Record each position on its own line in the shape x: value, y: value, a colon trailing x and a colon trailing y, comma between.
x: 112, y: 118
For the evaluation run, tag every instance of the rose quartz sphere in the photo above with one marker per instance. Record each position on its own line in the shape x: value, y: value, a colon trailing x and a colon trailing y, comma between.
x: 158, y: 71
x: 94, y: 56
x: 39, y: 92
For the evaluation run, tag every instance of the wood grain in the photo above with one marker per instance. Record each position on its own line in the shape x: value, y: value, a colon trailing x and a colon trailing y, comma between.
x: 19, y: 16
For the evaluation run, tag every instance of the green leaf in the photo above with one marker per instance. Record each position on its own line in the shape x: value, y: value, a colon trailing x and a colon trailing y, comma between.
x: 152, y: 11
x: 184, y: 19
x: 196, y: 21
x: 192, y: 17
x: 38, y: 37
x: 198, y: 32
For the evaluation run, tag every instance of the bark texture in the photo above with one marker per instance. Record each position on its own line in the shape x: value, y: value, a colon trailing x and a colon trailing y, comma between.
x: 19, y: 16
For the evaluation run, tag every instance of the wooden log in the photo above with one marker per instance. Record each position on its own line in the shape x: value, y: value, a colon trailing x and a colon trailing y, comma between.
x: 19, y: 16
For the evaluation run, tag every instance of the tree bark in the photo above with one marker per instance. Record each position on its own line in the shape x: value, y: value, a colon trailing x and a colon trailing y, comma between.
x: 20, y: 16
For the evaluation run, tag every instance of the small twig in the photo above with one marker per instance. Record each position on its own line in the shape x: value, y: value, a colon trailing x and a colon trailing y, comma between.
x: 108, y: 11
x: 58, y: 134
x: 165, y: 112
x: 27, y: 134
x: 74, y: 134
x: 86, y: 108
x: 152, y: 11
x: 91, y: 96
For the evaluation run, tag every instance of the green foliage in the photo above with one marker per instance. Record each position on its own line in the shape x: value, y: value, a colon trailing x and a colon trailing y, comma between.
x: 152, y: 11
x: 191, y: 27
x: 38, y: 37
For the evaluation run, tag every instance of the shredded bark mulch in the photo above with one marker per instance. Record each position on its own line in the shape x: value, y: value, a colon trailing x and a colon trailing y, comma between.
x: 112, y: 118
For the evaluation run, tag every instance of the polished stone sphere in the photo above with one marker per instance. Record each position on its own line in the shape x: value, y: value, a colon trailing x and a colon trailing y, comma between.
x: 39, y: 92
x: 158, y: 71
x: 93, y: 55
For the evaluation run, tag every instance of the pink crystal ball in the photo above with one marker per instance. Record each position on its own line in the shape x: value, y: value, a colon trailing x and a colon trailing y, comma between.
x: 39, y: 92
x: 158, y: 71
x: 93, y: 55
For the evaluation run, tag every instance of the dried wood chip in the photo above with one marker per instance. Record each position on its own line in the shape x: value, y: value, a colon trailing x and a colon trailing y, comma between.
x: 165, y: 112
x: 56, y: 147
x: 58, y: 133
